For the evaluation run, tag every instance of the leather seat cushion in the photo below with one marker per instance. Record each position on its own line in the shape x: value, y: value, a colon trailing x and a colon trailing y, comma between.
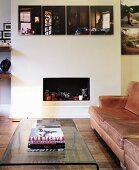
x: 119, y: 130
x: 131, y: 147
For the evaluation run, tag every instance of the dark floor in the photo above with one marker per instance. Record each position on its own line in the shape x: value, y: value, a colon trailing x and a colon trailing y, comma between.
x: 98, y: 148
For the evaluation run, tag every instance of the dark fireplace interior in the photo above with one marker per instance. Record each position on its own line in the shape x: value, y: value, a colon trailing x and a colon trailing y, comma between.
x: 63, y: 89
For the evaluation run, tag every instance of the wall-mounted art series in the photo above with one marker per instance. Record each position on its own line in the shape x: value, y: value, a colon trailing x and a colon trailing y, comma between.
x: 5, y: 34
x: 61, y: 20
x: 129, y: 27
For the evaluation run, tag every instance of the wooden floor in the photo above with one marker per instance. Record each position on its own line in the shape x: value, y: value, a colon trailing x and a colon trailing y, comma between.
x: 99, y: 150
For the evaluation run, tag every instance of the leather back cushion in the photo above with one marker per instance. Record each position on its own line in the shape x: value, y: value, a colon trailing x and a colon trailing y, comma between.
x: 133, y: 99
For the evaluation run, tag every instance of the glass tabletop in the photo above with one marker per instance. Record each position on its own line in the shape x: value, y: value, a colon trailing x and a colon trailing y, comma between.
x: 76, y: 150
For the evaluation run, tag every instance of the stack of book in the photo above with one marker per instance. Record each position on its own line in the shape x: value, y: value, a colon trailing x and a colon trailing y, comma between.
x: 46, y: 135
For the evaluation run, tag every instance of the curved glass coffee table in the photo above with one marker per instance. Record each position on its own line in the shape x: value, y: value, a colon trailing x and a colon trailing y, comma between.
x: 76, y: 151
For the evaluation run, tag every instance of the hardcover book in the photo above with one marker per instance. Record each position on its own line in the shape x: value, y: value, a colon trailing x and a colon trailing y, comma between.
x: 43, y: 123
x: 46, y: 138
x: 46, y: 134
x: 47, y: 146
x: 44, y: 150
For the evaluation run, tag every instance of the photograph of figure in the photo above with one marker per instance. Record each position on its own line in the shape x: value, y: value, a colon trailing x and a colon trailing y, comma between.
x: 78, y: 20
x: 130, y: 13
x: 101, y: 20
x: 29, y: 20
x: 53, y: 20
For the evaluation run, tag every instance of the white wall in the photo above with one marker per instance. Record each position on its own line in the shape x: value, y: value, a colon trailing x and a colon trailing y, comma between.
x: 5, y: 12
x: 35, y: 57
x: 5, y: 84
x: 130, y: 70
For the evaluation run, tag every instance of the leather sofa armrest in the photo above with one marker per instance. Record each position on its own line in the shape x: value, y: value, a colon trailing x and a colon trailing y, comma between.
x: 113, y: 101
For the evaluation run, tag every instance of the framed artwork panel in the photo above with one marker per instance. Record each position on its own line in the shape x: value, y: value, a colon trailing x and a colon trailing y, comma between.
x: 53, y: 20
x: 130, y: 41
x: 78, y: 20
x: 130, y: 14
x: 101, y: 20
x: 6, y: 34
x: 29, y: 20
x: 7, y: 26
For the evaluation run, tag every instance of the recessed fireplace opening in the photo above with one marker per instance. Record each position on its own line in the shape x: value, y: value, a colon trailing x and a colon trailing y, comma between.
x: 66, y: 89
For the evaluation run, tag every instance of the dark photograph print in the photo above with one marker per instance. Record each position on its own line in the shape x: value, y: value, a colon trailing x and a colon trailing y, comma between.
x: 77, y: 20
x: 53, y: 20
x: 29, y: 20
x: 102, y: 20
x: 130, y: 41
x: 130, y: 13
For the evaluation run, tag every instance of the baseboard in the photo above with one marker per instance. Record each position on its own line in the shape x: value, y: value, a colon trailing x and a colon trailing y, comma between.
x: 65, y: 111
x: 53, y: 112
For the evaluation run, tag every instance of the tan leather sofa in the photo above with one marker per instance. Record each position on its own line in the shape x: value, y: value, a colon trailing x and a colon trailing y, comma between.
x: 116, y: 119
